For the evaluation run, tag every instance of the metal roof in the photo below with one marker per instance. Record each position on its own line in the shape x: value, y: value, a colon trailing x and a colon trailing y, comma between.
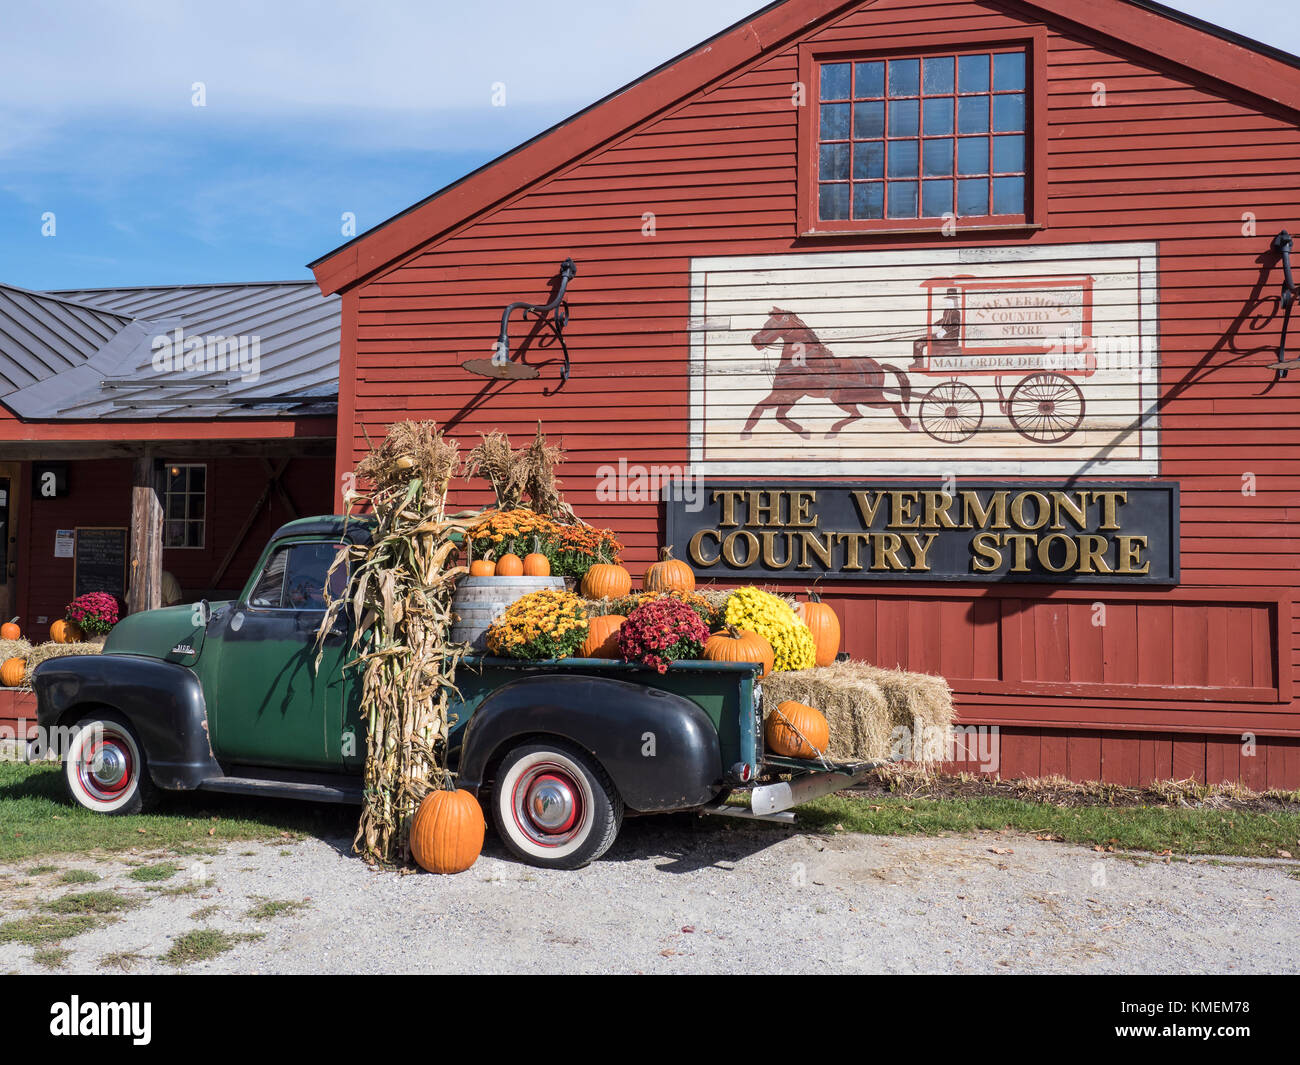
x: 241, y: 350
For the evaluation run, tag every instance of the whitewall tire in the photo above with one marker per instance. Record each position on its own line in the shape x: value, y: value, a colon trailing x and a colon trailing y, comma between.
x: 555, y: 806
x: 104, y: 768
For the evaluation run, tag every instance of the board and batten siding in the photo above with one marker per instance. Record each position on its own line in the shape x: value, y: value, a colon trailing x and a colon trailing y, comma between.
x: 1200, y: 172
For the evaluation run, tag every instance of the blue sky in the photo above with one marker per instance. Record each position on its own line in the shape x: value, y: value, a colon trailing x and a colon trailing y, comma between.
x: 312, y: 109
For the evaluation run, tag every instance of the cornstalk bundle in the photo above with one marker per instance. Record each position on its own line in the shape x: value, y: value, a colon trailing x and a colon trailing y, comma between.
x: 400, y: 588
x: 528, y: 472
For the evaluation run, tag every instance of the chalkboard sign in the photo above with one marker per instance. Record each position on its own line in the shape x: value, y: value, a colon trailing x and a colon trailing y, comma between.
x: 100, y: 561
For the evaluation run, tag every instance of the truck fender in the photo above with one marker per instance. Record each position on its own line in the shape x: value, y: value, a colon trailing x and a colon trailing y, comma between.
x: 661, y: 750
x: 162, y: 701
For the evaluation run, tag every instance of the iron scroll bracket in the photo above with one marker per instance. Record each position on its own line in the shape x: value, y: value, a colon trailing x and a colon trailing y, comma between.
x: 553, y: 315
x: 1282, y: 245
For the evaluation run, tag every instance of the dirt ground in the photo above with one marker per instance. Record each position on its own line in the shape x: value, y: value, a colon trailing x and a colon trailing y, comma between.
x: 675, y: 895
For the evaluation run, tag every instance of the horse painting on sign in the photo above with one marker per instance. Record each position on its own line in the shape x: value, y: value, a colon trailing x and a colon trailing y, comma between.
x: 809, y: 368
x: 955, y: 361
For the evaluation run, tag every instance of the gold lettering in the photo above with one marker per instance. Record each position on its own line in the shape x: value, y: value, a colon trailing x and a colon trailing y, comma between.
x: 900, y: 510
x: 1020, y: 557
x: 729, y: 497
x: 852, y: 545
x: 697, y: 542
x: 1076, y: 508
x: 769, y: 554
x: 885, y: 547
x: 936, y: 511
x: 987, y: 556
x: 997, y: 509
x: 801, y: 502
x: 1045, y: 553
x: 1092, y: 554
x: 868, y: 513
x: 729, y: 548
x: 1042, y: 510
x: 1109, y: 520
x: 764, y: 514
x: 819, y: 548
x: 920, y: 550
x: 1130, y: 553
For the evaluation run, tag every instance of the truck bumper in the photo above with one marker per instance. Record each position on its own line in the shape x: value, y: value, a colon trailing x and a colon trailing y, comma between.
x: 769, y: 799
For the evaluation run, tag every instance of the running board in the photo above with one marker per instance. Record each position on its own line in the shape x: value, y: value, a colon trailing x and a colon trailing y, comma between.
x: 722, y: 809
x: 283, y: 789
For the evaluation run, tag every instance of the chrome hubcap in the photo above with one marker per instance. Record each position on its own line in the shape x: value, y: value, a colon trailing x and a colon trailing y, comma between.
x: 108, y: 766
x: 551, y: 804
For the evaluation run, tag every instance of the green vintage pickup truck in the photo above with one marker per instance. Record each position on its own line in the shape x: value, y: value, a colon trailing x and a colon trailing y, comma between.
x: 224, y: 697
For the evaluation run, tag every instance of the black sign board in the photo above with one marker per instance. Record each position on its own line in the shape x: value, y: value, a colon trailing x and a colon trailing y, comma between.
x: 1086, y: 532
x: 100, y: 561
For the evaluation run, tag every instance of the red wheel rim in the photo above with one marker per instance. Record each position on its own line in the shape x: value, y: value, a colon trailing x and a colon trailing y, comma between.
x: 547, y: 804
x: 106, y: 767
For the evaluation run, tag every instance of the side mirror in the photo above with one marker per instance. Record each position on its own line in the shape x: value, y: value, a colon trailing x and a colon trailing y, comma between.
x: 201, y: 614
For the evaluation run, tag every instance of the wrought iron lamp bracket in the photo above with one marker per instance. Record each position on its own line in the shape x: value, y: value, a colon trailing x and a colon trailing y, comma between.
x: 1282, y: 244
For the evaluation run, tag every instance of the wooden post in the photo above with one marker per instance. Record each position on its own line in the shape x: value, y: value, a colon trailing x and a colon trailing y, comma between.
x: 146, y: 537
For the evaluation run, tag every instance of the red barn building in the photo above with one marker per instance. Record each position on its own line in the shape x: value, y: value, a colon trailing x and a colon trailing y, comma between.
x: 968, y: 309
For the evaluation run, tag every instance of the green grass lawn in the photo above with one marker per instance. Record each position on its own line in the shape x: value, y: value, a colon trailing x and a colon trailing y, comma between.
x: 36, y: 819
x: 1157, y: 829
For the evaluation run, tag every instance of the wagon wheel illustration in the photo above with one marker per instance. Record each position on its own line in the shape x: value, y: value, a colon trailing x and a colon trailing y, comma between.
x: 1045, y: 407
x: 951, y: 412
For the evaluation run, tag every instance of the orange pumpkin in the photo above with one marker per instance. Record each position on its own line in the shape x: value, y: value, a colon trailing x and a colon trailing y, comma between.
x: 510, y: 565
x: 10, y: 630
x: 602, y: 637
x: 12, y: 672
x: 797, y: 731
x: 447, y: 832
x: 669, y: 575
x: 482, y: 567
x: 62, y: 631
x: 537, y: 565
x: 824, y: 624
x: 739, y: 645
x: 606, y: 581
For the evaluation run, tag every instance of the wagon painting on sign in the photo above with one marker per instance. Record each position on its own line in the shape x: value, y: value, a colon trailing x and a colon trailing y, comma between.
x: 1035, y: 360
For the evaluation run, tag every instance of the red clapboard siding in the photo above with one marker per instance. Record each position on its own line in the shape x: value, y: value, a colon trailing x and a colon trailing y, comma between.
x: 100, y: 494
x: 1169, y: 681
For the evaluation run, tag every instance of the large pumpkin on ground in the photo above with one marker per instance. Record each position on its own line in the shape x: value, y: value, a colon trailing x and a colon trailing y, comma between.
x: 10, y: 630
x: 602, y: 637
x: 606, y: 581
x: 824, y: 624
x: 739, y: 645
x: 797, y: 731
x: 510, y: 566
x: 12, y: 672
x: 447, y: 832
x: 669, y: 575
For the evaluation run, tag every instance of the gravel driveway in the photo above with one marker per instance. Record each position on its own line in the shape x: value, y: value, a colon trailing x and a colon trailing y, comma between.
x: 682, y: 895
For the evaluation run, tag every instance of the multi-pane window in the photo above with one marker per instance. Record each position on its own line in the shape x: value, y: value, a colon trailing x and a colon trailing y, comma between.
x: 184, y: 505
x: 922, y: 137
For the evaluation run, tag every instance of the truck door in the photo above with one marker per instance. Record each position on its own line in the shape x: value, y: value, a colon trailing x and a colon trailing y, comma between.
x: 271, y: 706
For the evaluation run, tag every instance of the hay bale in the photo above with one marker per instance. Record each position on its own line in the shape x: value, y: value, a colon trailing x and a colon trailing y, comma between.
x: 14, y: 649
x: 864, y: 704
x: 45, y: 651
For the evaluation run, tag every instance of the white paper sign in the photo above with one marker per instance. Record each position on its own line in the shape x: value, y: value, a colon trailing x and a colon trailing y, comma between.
x: 63, y: 543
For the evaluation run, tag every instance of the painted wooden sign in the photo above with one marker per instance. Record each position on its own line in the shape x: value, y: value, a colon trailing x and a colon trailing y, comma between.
x: 998, y: 361
x: 1098, y: 532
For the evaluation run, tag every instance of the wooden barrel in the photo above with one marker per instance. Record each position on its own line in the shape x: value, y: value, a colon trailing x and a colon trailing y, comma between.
x: 481, y: 600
